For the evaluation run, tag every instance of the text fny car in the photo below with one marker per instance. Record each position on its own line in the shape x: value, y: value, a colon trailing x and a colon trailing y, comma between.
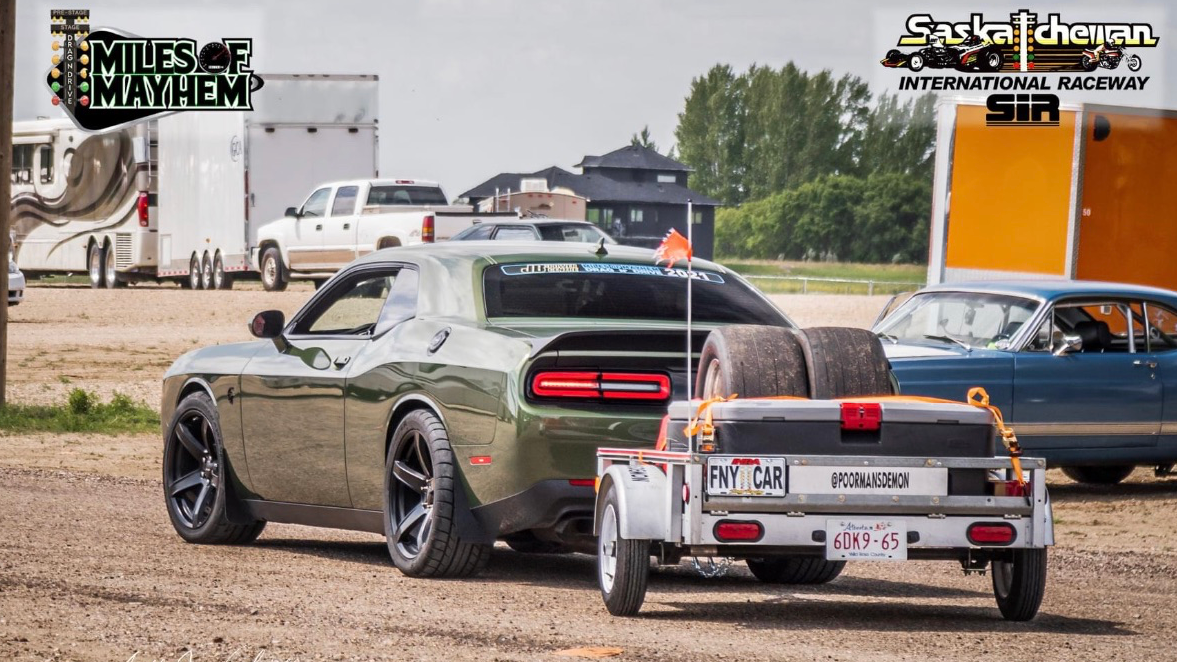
x: 1086, y: 372
x: 444, y: 395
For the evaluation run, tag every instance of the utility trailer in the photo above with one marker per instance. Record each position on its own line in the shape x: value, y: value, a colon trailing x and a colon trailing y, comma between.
x: 797, y: 487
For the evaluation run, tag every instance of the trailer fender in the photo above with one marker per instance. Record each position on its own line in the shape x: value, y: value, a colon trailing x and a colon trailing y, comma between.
x: 641, y: 497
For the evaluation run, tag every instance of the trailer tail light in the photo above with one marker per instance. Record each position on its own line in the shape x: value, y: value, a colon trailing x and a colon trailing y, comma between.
x: 861, y: 415
x: 141, y: 207
x: 582, y: 482
x: 992, y: 533
x: 593, y: 385
x: 1008, y: 488
x: 729, y: 531
x: 427, y: 229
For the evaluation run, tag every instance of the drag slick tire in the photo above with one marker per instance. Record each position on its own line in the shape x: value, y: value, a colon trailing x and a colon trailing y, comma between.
x: 795, y: 569
x: 623, y: 565
x: 844, y: 363
x: 751, y: 362
x: 1109, y: 475
x: 195, y: 481
x: 420, y: 480
x: 1019, y: 583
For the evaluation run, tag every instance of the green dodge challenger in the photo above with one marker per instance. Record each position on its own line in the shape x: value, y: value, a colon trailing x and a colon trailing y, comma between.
x: 444, y: 395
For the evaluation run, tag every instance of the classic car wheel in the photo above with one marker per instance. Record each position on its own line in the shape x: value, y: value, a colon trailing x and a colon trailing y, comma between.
x: 623, y: 565
x: 1019, y: 583
x: 795, y: 569
x: 194, y: 477
x: 751, y: 361
x: 273, y: 271
x: 94, y: 262
x: 1099, y: 475
x: 419, y: 501
x: 195, y: 282
x: 915, y: 62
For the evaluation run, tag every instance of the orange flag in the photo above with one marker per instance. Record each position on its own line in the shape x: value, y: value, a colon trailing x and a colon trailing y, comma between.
x: 673, y: 248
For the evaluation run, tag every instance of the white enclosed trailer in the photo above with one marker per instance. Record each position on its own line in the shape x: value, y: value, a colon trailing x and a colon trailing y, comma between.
x: 181, y: 198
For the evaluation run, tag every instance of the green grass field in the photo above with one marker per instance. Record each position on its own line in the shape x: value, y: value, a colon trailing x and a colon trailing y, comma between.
x: 888, y: 278
x: 82, y: 412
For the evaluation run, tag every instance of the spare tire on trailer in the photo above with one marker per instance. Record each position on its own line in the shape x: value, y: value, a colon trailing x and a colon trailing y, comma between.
x: 752, y: 362
x: 844, y: 362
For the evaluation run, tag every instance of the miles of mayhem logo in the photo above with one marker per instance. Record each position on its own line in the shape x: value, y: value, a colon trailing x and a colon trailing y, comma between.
x: 988, y: 50
x: 106, y: 79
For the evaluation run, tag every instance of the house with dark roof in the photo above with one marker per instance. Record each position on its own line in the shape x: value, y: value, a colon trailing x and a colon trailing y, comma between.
x: 633, y: 193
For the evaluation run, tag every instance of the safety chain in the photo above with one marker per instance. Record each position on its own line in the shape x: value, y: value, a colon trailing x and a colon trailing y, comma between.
x: 712, y: 570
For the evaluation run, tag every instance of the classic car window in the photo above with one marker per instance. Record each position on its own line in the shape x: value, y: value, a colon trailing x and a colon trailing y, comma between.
x: 621, y: 291
x: 316, y: 205
x: 345, y: 201
x: 975, y: 319
x: 1102, y: 325
x: 1162, y: 327
x: 352, y: 307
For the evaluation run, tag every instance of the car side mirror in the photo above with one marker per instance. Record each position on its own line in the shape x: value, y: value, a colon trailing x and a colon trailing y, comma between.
x: 1070, y: 344
x: 292, y: 212
x: 269, y: 324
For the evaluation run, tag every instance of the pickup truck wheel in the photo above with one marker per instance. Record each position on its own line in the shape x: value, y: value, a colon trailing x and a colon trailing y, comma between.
x: 1019, y: 583
x: 1099, y: 475
x: 273, y: 271
x: 751, y: 361
x: 623, y: 565
x: 795, y: 569
x: 95, y: 261
x: 844, y: 362
x: 419, y: 500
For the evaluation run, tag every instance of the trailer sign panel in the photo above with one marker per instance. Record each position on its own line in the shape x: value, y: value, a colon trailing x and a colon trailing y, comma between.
x: 921, y: 481
x: 746, y: 476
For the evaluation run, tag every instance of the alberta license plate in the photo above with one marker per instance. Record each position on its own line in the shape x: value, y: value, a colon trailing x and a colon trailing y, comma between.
x: 746, y: 476
x: 866, y: 540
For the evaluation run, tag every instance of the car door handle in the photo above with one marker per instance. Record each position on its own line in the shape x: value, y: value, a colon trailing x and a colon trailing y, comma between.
x: 319, y: 226
x: 1150, y: 364
x: 341, y: 361
x: 347, y: 226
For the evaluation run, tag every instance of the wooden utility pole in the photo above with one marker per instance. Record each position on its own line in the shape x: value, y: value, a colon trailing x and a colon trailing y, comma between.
x: 7, y: 73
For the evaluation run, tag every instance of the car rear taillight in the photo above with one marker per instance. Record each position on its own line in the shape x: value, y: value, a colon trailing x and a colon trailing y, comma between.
x: 991, y: 533
x: 728, y: 531
x: 427, y: 229
x: 141, y: 206
x: 593, y: 385
x: 582, y: 482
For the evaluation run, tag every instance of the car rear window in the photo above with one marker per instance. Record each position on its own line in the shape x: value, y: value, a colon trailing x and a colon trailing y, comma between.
x: 386, y: 195
x: 621, y: 291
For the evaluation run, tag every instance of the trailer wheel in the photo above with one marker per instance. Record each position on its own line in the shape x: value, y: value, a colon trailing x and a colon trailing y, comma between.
x: 795, y: 569
x: 1099, y: 475
x: 751, y: 361
x: 95, y: 263
x: 1020, y: 583
x: 273, y: 271
x: 844, y: 362
x: 195, y: 282
x: 623, y: 565
x: 221, y: 280
x: 206, y: 273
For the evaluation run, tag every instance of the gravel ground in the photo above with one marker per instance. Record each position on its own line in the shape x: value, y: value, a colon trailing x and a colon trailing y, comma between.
x: 90, y: 569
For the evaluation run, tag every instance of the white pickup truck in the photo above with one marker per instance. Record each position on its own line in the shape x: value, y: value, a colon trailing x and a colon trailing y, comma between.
x: 341, y: 221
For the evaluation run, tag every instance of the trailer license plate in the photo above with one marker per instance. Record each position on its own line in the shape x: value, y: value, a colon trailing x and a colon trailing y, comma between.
x: 746, y: 476
x: 866, y: 540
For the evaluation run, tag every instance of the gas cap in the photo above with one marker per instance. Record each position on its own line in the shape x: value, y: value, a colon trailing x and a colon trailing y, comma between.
x: 439, y: 339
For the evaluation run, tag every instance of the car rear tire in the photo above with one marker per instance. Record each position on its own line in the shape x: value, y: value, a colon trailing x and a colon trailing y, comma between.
x: 95, y: 264
x: 623, y: 565
x: 273, y: 271
x: 795, y: 569
x: 195, y: 479
x: 420, y: 483
x: 844, y: 362
x: 1020, y: 583
x: 1109, y: 475
x: 752, y: 362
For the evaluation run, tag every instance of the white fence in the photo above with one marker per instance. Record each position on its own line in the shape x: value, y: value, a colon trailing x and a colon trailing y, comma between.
x: 832, y: 285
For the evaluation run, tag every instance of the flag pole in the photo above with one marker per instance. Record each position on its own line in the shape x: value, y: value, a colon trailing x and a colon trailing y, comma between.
x: 690, y: 251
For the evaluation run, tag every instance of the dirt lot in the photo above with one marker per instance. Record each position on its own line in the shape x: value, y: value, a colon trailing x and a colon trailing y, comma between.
x: 90, y: 569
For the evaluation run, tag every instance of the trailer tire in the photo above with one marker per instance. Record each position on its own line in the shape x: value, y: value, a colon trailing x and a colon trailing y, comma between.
x: 1020, y: 583
x: 195, y: 282
x: 1109, y: 475
x: 844, y: 362
x: 273, y: 271
x: 206, y: 273
x: 95, y: 264
x: 221, y: 280
x: 795, y: 569
x: 624, y: 590
x: 752, y: 361
x: 110, y: 274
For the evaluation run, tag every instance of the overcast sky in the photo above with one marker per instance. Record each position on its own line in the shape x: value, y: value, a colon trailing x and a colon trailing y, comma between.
x: 471, y: 88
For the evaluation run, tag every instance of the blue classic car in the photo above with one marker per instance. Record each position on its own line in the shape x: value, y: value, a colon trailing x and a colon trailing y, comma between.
x: 1085, y: 371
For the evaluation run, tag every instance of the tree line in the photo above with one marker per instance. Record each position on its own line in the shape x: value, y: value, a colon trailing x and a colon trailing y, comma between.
x: 809, y: 165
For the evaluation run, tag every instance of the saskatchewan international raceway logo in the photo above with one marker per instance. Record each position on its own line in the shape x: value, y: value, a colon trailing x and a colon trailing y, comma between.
x: 107, y: 78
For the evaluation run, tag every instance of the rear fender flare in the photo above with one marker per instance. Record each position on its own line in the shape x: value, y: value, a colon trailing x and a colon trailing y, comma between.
x: 641, y: 499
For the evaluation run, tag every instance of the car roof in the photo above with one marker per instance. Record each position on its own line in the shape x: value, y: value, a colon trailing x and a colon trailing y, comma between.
x: 516, y: 251
x: 536, y: 221
x: 1053, y: 288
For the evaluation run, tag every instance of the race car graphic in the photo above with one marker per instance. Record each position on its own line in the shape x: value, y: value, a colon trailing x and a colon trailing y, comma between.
x: 972, y: 54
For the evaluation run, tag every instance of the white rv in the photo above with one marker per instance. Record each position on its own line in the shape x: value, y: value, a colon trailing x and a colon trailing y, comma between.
x: 180, y: 198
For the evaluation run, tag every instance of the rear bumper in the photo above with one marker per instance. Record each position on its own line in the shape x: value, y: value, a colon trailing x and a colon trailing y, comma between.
x: 16, y: 288
x: 554, y: 505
